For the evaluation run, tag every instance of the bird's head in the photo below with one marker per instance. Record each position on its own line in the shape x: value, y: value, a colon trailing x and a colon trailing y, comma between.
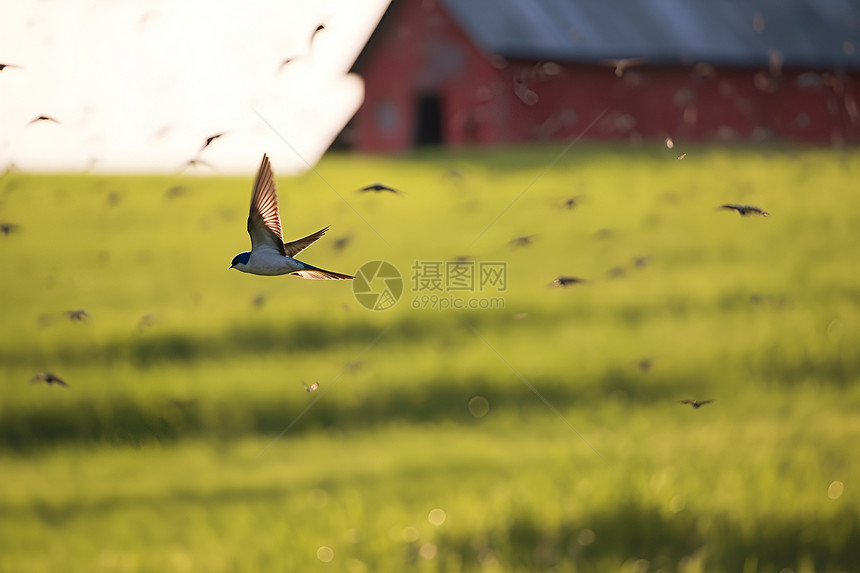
x: 240, y: 259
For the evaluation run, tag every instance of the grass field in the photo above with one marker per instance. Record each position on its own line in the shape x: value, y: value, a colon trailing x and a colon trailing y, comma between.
x: 522, y: 438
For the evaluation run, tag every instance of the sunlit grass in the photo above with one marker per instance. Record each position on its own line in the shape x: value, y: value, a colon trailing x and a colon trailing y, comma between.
x: 162, y: 455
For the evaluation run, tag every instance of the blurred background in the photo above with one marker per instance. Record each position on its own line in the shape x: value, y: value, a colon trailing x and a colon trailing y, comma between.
x: 139, y: 86
x: 667, y: 379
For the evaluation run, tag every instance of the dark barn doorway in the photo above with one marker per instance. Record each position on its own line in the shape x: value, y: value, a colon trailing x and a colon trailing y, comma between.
x: 428, y: 121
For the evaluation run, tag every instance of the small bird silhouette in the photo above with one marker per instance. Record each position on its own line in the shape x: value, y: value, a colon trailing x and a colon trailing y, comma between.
x: 317, y: 31
x: 79, y: 314
x: 48, y: 378
x: 643, y: 261
x: 146, y: 321
x: 523, y: 241
x: 176, y: 191
x: 696, y: 403
x: 193, y: 162
x: 645, y: 364
x: 42, y: 118
x: 570, y: 203
x: 341, y: 243
x: 4, y: 66
x: 745, y: 210
x: 258, y: 301
x: 565, y: 281
x: 378, y: 187
x: 210, y: 140
x: 9, y: 228
x: 623, y: 64
x: 269, y: 254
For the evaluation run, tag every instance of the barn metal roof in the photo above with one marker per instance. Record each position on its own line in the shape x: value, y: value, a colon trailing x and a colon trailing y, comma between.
x: 806, y: 33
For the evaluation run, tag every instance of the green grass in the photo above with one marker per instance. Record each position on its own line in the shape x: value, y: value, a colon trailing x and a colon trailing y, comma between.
x: 167, y: 453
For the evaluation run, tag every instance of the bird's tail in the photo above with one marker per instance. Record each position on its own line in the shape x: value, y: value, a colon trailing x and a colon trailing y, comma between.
x: 312, y: 272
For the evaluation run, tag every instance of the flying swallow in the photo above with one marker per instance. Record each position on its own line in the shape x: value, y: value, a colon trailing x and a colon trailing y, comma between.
x: 645, y: 365
x: 377, y: 187
x: 312, y: 388
x: 195, y: 161
x: 79, y: 314
x: 8, y: 228
x: 523, y: 241
x: 696, y: 403
x: 49, y: 378
x: 570, y: 203
x: 42, y: 118
x: 176, y: 191
x: 269, y: 254
x: 210, y: 140
x: 564, y: 281
x: 745, y: 210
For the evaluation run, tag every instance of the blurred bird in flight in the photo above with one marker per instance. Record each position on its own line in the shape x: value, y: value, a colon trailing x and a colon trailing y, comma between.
x: 269, y: 254
x: 377, y: 187
x: 48, y: 378
x: 42, y: 118
x: 209, y: 140
x: 79, y: 314
x: 696, y: 403
x: 745, y: 210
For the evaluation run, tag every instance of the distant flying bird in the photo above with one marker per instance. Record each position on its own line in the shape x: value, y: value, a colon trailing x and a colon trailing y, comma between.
x: 48, y: 378
x: 623, y: 64
x: 745, y: 210
x: 4, y: 66
x: 269, y: 254
x: 696, y: 403
x: 312, y: 388
x: 523, y: 241
x: 317, y: 31
x: 176, y: 191
x: 79, y: 314
x: 645, y: 364
x: 258, y: 301
x: 8, y: 228
x: 43, y: 118
x: 341, y: 243
x: 564, y: 281
x: 146, y: 321
x: 210, y: 140
x: 570, y: 203
x: 377, y: 187
x: 195, y: 161
x: 284, y: 63
x: 643, y: 261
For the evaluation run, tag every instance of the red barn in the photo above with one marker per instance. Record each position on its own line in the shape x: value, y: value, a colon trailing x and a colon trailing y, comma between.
x: 463, y: 72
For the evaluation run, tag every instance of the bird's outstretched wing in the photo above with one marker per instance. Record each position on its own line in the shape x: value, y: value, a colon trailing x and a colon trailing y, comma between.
x: 321, y: 274
x: 264, y: 222
x: 295, y: 247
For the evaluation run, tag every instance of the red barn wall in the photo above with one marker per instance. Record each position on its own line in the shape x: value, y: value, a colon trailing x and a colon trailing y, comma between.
x: 420, y: 51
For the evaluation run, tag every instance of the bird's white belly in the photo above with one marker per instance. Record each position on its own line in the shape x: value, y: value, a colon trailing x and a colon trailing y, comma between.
x: 271, y: 263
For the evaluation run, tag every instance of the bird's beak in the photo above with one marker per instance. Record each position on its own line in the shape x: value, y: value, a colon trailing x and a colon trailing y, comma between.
x: 230, y: 267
